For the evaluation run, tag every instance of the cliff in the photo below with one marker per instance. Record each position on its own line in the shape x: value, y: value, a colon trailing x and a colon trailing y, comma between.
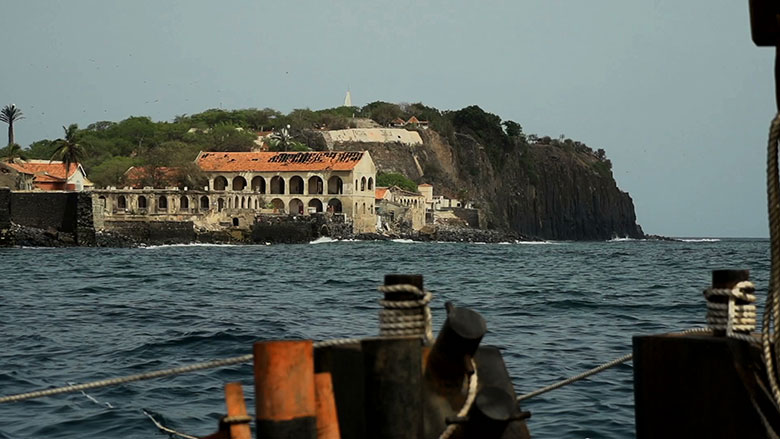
x: 546, y: 188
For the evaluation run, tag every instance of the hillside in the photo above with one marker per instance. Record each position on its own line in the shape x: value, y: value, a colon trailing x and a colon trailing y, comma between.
x: 548, y: 188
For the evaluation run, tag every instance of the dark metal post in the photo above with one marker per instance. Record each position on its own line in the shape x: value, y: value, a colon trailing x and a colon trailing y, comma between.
x: 492, y: 373
x: 393, y: 387
x: 448, y: 366
x: 345, y: 364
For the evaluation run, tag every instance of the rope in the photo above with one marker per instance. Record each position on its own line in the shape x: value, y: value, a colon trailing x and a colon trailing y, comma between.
x: 769, y: 335
x: 731, y: 316
x: 472, y: 395
x: 170, y: 431
x: 155, y: 374
x: 595, y: 370
x: 395, y: 319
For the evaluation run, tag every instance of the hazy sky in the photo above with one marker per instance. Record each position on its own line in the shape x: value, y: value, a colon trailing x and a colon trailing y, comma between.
x: 674, y: 91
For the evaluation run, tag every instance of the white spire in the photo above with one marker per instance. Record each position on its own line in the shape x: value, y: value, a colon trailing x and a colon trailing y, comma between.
x: 348, y: 100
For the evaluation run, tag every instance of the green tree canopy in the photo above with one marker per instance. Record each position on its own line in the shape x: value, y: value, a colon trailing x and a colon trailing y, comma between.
x: 395, y: 179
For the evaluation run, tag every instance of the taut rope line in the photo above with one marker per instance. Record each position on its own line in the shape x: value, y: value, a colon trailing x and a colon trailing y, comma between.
x: 154, y: 374
x: 771, y: 318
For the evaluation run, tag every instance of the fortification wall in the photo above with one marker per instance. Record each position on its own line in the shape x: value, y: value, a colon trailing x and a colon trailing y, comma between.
x: 372, y: 135
x: 43, y: 210
x: 471, y: 216
x: 165, y: 232
x: 5, y: 208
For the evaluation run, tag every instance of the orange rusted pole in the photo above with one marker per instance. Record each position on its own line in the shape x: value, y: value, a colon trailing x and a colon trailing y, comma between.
x: 234, y: 399
x: 327, y: 417
x: 284, y: 390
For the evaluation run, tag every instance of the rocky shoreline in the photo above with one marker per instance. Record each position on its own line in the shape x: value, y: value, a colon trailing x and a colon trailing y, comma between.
x: 22, y: 236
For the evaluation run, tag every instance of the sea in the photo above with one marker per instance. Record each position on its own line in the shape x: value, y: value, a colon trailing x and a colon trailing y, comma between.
x: 554, y: 308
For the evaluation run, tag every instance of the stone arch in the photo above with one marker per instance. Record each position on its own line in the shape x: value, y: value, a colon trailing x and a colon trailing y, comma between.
x: 370, y: 183
x: 356, y: 209
x: 162, y: 202
x: 121, y: 202
x: 220, y: 183
x: 364, y: 208
x: 296, y: 206
x: 258, y: 184
x: 315, y: 204
x: 277, y: 185
x: 334, y: 205
x: 102, y: 201
x: 278, y: 204
x: 315, y: 185
x: 335, y: 185
x: 239, y: 183
x: 243, y: 202
x: 363, y: 183
x: 296, y: 185
x: 235, y: 202
x: 142, y: 202
x: 204, y: 202
x: 184, y: 203
x: 220, y: 204
x: 257, y: 204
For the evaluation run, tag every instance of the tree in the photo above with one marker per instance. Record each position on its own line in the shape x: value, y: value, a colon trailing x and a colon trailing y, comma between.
x: 10, y: 114
x: 11, y: 152
x: 68, y: 149
x: 513, y: 129
x: 395, y: 179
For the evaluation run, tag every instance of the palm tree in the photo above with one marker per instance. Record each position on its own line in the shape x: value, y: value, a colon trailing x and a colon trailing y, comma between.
x: 12, y: 152
x: 10, y: 114
x: 68, y: 149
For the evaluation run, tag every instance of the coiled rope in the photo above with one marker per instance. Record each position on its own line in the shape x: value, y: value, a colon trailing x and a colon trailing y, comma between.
x: 738, y: 315
x: 155, y: 374
x: 406, y: 317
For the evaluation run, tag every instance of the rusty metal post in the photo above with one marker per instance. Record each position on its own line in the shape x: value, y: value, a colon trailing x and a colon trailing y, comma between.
x: 284, y: 390
x: 327, y: 418
x: 236, y: 407
x: 345, y: 365
x: 448, y: 366
x: 393, y: 387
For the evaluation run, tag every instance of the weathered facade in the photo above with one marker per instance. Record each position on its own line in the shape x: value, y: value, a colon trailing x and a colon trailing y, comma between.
x: 397, y: 205
x: 50, y: 175
x: 295, y: 182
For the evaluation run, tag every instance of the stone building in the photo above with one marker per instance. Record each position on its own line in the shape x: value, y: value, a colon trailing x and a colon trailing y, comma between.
x: 396, y: 205
x: 50, y: 175
x: 295, y: 182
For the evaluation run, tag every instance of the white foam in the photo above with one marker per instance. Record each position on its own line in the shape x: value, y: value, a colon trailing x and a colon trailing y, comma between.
x: 404, y: 241
x: 700, y: 240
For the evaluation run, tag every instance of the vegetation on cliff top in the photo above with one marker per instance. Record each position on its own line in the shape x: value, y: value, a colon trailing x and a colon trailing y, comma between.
x: 112, y: 147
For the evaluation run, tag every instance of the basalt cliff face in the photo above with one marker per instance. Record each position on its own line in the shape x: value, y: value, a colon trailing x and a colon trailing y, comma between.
x: 548, y: 189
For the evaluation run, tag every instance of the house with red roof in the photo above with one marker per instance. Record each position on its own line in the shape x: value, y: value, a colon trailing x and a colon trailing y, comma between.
x: 297, y: 183
x: 49, y: 175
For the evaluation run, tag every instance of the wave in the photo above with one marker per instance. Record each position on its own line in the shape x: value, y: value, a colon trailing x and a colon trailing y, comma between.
x: 404, y: 241
x: 327, y: 239
x: 192, y: 244
x: 618, y: 239
x: 700, y: 240
x: 536, y: 242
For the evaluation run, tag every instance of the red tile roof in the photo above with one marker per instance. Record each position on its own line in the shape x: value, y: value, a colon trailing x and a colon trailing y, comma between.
x: 54, y: 171
x: 425, y: 185
x: 278, y: 161
x: 138, y: 176
x: 380, y: 193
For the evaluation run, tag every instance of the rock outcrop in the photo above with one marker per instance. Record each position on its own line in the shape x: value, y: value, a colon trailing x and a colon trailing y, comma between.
x: 547, y: 189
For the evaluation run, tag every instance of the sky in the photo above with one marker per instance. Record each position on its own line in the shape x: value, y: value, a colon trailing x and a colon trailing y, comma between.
x: 674, y: 91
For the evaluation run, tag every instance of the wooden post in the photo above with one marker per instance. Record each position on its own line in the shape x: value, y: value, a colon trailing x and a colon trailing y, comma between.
x: 234, y: 400
x: 345, y: 365
x: 327, y: 418
x: 393, y: 387
x: 284, y: 390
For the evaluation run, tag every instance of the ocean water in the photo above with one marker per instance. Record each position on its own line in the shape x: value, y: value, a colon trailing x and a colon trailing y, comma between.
x: 556, y: 309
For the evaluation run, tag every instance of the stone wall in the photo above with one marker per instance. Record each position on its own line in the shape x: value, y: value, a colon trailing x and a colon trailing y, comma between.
x: 154, y: 232
x: 5, y: 208
x: 44, y: 210
x: 371, y: 135
x: 471, y: 216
